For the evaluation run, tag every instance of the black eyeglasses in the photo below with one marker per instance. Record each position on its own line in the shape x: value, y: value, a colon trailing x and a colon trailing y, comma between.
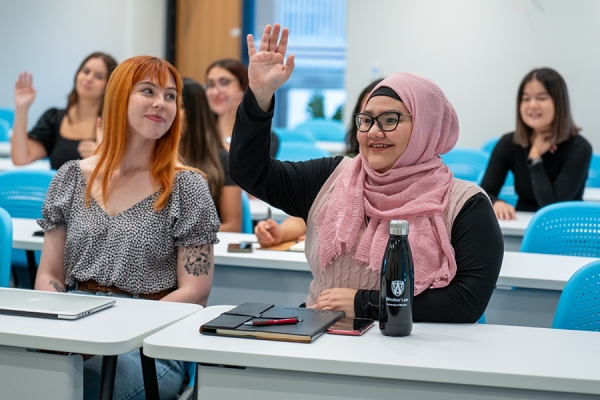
x: 388, y: 121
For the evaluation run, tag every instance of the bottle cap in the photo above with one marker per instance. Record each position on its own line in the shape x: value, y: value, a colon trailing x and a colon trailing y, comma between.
x: 398, y: 227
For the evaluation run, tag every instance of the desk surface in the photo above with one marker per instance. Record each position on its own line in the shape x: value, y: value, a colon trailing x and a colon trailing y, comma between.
x: 4, y: 149
x: 516, y: 227
x: 481, y: 355
x: 116, y: 330
x: 525, y: 270
x: 258, y: 211
x: 7, y: 165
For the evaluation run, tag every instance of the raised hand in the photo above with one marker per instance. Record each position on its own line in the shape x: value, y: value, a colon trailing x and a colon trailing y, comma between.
x: 24, y: 91
x: 267, y: 71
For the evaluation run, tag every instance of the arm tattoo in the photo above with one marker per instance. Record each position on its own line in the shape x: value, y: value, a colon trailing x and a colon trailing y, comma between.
x: 57, y: 287
x: 197, y: 259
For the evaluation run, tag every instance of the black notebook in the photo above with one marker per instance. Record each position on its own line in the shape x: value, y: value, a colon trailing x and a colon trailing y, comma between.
x: 231, y: 323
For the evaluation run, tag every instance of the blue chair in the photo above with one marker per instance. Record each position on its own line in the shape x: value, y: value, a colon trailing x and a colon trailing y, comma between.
x: 579, y: 304
x: 294, y: 135
x: 5, y: 247
x: 7, y: 115
x: 489, y: 145
x: 508, y: 192
x: 466, y: 164
x: 4, y: 128
x: 299, y: 151
x: 570, y: 228
x: 246, y: 215
x: 324, y: 129
x: 593, y: 179
x: 22, y: 194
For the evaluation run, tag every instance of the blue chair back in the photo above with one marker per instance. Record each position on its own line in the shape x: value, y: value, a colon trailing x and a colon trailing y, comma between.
x: 570, y: 228
x: 7, y: 115
x: 488, y: 146
x: 246, y: 215
x: 5, y: 247
x: 466, y: 164
x: 4, y: 128
x: 579, y: 302
x: 508, y: 192
x: 22, y: 192
x: 593, y: 179
x: 324, y: 129
x: 294, y: 135
x: 300, y: 151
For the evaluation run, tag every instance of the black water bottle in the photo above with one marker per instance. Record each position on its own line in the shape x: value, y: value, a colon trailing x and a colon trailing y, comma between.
x: 397, y: 283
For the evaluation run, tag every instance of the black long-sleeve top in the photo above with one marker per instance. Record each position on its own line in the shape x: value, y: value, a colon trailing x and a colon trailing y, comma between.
x: 293, y: 186
x: 560, y: 176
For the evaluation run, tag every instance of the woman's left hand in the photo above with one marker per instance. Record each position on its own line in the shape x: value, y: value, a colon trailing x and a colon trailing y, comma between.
x: 339, y: 299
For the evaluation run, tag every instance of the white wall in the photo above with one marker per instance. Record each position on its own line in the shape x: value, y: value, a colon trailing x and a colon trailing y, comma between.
x: 478, y: 51
x: 50, y: 38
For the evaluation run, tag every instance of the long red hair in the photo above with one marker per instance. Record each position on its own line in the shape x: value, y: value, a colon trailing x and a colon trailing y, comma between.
x: 114, y: 117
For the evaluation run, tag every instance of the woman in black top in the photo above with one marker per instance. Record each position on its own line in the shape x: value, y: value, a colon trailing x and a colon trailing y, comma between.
x: 62, y: 134
x: 201, y: 148
x: 546, y: 154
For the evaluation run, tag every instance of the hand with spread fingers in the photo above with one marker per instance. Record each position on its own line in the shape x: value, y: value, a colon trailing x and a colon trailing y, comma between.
x: 339, y: 299
x: 266, y: 70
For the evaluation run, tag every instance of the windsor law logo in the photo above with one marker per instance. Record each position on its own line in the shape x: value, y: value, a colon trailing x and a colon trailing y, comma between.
x: 397, y: 288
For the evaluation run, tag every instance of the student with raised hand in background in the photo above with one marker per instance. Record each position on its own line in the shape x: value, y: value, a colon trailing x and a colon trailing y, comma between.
x: 269, y: 232
x: 202, y: 148
x: 226, y: 81
x: 130, y: 221
x: 546, y: 154
x: 62, y: 134
x: 406, y: 124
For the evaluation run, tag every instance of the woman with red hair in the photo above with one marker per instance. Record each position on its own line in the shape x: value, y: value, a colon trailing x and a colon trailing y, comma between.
x: 130, y: 221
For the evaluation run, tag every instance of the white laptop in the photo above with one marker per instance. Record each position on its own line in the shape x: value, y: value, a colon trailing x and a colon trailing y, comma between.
x: 35, y: 303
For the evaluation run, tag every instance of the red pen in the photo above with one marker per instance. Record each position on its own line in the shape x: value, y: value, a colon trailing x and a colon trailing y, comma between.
x: 282, y: 321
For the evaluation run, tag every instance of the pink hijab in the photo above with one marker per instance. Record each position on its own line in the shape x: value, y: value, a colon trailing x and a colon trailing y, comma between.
x: 416, y: 189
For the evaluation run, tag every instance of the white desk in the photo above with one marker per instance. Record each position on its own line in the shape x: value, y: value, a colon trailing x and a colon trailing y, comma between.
x: 513, y: 230
x: 116, y: 330
x: 7, y: 165
x: 334, y: 148
x: 4, y: 149
x: 284, y: 278
x: 258, y: 211
x: 449, y: 361
x: 591, y: 194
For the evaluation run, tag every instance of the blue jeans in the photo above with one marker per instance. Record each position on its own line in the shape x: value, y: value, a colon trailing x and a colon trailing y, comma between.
x: 129, y: 381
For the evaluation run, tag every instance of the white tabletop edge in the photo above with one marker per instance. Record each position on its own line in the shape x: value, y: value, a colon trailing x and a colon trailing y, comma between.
x: 481, y: 373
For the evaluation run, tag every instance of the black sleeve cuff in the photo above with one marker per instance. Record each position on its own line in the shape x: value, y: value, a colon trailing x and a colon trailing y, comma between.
x: 366, y: 304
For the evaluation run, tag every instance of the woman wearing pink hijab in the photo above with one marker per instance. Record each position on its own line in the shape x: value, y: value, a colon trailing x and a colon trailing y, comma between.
x: 405, y: 125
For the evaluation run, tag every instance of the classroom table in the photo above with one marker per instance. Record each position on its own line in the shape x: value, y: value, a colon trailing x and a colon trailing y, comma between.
x: 449, y: 361
x: 527, y: 291
x: 591, y: 194
x: 6, y: 164
x: 110, y: 332
x: 4, y: 149
x: 258, y: 211
x: 513, y: 230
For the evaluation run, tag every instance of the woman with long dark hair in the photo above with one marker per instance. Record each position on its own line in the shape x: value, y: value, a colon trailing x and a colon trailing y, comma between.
x: 201, y: 147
